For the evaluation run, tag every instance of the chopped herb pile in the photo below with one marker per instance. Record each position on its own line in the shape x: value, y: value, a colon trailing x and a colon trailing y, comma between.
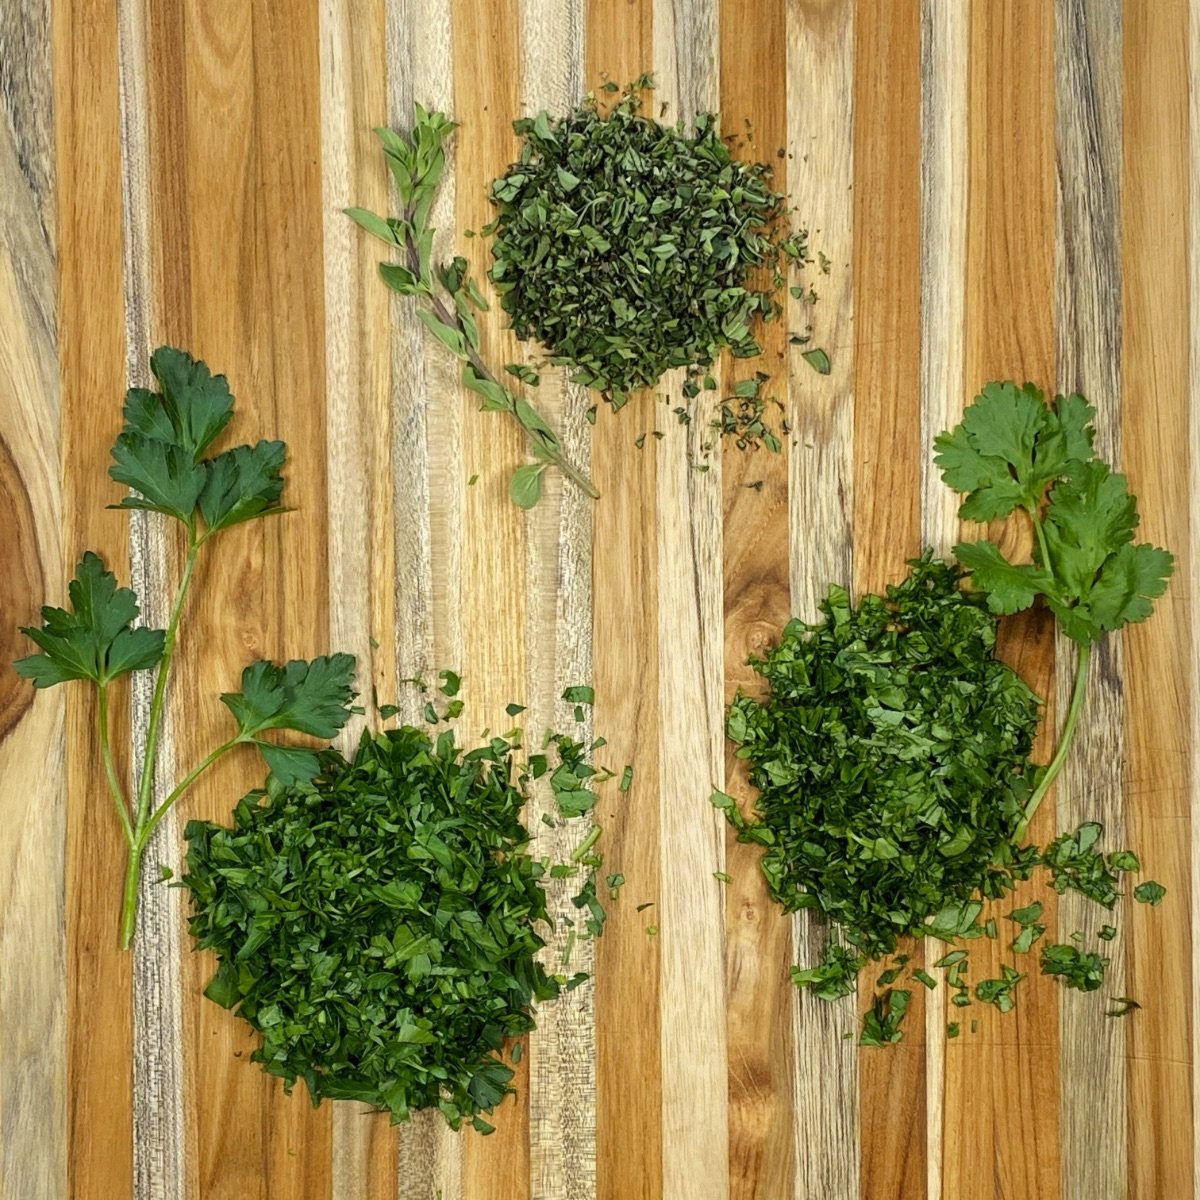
x: 892, y: 758
x: 629, y: 248
x: 163, y: 455
x: 379, y: 925
x: 891, y: 751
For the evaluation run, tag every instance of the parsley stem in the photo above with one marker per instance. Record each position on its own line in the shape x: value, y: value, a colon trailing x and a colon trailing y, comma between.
x: 1067, y: 736
x: 139, y: 835
x: 110, y: 769
x: 182, y: 786
x: 158, y: 703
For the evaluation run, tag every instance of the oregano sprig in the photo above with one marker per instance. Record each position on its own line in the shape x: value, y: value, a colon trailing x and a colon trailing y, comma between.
x: 161, y: 456
x: 448, y: 298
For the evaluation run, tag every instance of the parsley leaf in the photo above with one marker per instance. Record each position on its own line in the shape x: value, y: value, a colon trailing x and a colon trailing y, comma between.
x: 1076, y: 968
x: 309, y: 697
x: 96, y: 640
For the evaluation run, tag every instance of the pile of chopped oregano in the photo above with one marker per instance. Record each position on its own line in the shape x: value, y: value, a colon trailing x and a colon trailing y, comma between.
x: 380, y: 925
x: 628, y: 248
x: 891, y: 751
x: 624, y: 246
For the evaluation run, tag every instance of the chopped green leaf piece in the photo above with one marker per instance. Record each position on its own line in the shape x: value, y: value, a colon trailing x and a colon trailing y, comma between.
x: 1149, y: 892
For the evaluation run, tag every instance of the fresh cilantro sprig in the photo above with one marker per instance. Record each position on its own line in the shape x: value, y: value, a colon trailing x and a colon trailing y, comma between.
x: 162, y: 456
x: 448, y: 298
x: 1013, y: 451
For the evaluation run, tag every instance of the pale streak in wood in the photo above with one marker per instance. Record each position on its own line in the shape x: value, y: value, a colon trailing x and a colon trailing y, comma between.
x: 1193, y: 575
x: 945, y: 40
x: 1088, y: 327
x: 1159, y: 753
x: 362, y: 567
x: 691, y: 696
x: 159, y: 1138
x: 33, y: 1069
x: 427, y: 494
x: 820, y: 135
x: 562, y: 1080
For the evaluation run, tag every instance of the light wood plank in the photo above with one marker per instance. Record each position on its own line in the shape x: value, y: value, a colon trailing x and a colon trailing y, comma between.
x: 92, y: 380
x: 690, y: 916
x: 495, y: 549
x: 945, y: 36
x: 1158, y: 702
x: 562, y: 1068
x: 1087, y: 324
x: 33, y: 1036
x: 758, y: 939
x: 1001, y: 1125
x: 362, y: 567
x: 820, y: 105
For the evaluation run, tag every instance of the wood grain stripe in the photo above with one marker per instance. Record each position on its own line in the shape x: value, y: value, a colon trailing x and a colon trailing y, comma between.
x: 1158, y: 725
x: 758, y: 938
x: 820, y: 103
x: 427, y: 494
x: 159, y: 1138
x: 1088, y: 327
x: 887, y: 457
x: 1193, y: 569
x: 33, y: 1035
x: 562, y: 1082
x: 945, y: 38
x: 362, y: 566
x: 625, y: 591
x: 495, y: 549
x: 92, y: 378
x: 222, y: 73
x: 1001, y: 1117
x: 690, y: 916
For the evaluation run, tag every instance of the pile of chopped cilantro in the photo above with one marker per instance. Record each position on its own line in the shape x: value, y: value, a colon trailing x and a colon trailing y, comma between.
x: 379, y: 927
x: 892, y: 757
x: 628, y: 247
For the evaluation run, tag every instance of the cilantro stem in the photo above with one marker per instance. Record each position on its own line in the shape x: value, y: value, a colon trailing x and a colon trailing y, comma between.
x: 110, y: 769
x: 1039, y: 531
x: 1067, y: 736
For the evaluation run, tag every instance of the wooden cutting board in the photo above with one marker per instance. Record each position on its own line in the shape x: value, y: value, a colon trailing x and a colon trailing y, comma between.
x: 1001, y: 188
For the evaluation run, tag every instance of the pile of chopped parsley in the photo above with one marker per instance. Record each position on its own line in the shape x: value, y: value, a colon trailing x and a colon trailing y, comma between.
x: 629, y: 248
x: 380, y: 926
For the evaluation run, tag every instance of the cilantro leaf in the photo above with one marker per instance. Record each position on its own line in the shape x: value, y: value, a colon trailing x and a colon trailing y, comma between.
x: 242, y: 483
x: 1008, y: 447
x: 309, y: 697
x: 1009, y: 587
x: 96, y: 640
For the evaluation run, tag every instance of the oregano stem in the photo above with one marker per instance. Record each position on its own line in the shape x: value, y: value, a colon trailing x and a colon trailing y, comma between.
x: 1078, y: 693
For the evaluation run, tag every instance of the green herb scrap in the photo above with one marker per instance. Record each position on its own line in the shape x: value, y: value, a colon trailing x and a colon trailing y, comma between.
x: 163, y: 456
x: 1076, y: 968
x: 629, y: 248
x: 448, y: 299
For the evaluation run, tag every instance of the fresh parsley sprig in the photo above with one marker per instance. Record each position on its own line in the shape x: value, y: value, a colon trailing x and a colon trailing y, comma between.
x: 448, y: 298
x: 1013, y: 451
x: 161, y: 456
